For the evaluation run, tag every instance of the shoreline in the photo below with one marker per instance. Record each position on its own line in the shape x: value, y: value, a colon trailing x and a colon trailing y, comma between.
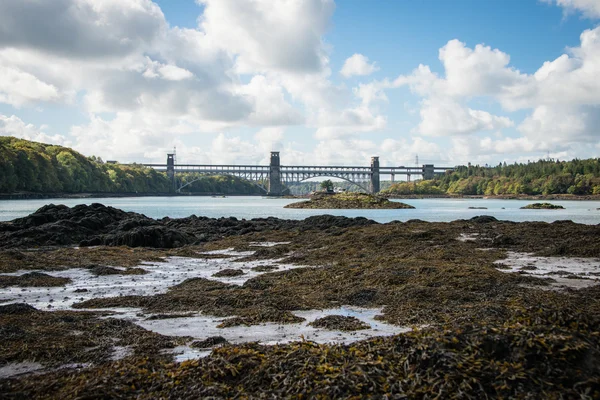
x: 560, y: 197
x: 36, y: 196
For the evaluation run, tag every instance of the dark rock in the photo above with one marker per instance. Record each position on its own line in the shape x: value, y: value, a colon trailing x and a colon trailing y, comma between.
x: 17, y: 309
x: 98, y: 225
x: 229, y: 272
x: 483, y: 219
x: 32, y: 279
x: 362, y: 297
x: 504, y: 240
x: 339, y: 322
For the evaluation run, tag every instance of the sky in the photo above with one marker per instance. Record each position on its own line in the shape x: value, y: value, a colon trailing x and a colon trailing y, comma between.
x: 324, y: 82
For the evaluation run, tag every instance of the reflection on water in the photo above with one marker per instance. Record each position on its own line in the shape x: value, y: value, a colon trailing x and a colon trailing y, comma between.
x: 586, y: 212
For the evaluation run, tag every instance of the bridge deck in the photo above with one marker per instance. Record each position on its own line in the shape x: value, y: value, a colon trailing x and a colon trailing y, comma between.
x: 293, y: 169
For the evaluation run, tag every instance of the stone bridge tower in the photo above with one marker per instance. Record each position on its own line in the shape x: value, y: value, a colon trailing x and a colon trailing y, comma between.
x: 171, y: 171
x: 275, y: 186
x: 375, y: 184
x: 428, y: 172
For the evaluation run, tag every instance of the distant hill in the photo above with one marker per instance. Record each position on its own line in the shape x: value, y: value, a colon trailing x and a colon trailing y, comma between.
x: 577, y: 177
x: 27, y: 166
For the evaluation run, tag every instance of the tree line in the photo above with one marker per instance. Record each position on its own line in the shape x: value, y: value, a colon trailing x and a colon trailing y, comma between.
x: 544, y: 177
x: 36, y: 167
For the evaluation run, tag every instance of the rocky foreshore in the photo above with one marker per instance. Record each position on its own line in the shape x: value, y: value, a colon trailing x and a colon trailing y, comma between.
x: 492, y: 308
x: 99, y: 225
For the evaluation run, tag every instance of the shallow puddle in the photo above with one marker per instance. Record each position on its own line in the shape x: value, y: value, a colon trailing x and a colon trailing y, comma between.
x: 567, y: 271
x: 201, y: 327
x: 20, y: 368
x: 160, y: 276
x: 267, y: 244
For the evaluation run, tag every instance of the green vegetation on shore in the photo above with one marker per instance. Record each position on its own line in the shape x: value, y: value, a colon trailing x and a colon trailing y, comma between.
x: 577, y: 177
x: 27, y: 166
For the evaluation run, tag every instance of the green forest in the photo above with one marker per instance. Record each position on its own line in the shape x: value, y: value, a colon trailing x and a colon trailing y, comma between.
x: 27, y: 166
x: 544, y: 177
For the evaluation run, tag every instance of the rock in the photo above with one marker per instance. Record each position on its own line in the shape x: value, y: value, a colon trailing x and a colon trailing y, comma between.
x: 483, y: 219
x: 504, y: 240
x: 99, y: 225
x: 17, y: 309
x: 348, y: 201
x: 340, y: 322
x: 362, y: 297
x: 229, y: 272
x: 149, y: 236
x: 542, y: 206
x: 32, y: 279
x: 327, y: 221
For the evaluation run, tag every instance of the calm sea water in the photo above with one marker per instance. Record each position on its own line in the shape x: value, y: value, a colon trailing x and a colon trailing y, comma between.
x: 586, y: 212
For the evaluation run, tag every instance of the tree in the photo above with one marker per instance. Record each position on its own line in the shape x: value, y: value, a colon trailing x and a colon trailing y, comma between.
x: 327, y: 185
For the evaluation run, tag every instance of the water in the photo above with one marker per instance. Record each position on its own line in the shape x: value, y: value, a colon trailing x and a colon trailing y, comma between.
x: 586, y: 212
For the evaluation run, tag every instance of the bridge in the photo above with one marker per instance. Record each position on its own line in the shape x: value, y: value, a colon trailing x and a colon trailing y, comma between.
x: 276, y: 175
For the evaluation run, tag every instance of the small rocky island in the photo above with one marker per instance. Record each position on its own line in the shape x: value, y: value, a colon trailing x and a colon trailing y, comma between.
x: 347, y: 200
x: 542, y: 206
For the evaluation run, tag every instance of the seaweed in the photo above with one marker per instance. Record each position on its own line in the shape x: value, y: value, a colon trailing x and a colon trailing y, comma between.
x: 340, y: 323
x: 536, y: 353
x: 64, y: 337
x: 33, y: 279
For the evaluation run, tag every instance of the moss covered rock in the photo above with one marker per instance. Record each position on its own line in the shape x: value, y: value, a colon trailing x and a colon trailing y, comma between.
x: 348, y: 201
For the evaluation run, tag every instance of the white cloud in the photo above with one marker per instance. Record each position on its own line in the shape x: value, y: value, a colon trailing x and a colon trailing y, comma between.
x: 264, y: 35
x: 589, y: 8
x: 563, y: 124
x: 168, y: 72
x: 270, y: 106
x: 14, y: 126
x: 130, y: 136
x: 264, y: 65
x: 350, y: 121
x: 445, y: 117
x: 19, y: 88
x: 402, y: 151
x: 563, y: 94
x: 358, y: 65
x: 81, y: 29
x: 270, y: 139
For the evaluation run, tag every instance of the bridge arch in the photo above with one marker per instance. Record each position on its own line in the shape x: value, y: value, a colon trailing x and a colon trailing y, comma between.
x: 325, y: 175
x: 204, y: 174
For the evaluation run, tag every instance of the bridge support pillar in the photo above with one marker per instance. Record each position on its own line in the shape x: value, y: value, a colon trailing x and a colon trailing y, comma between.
x: 375, y: 184
x: 171, y: 171
x: 428, y: 172
x: 275, y: 186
